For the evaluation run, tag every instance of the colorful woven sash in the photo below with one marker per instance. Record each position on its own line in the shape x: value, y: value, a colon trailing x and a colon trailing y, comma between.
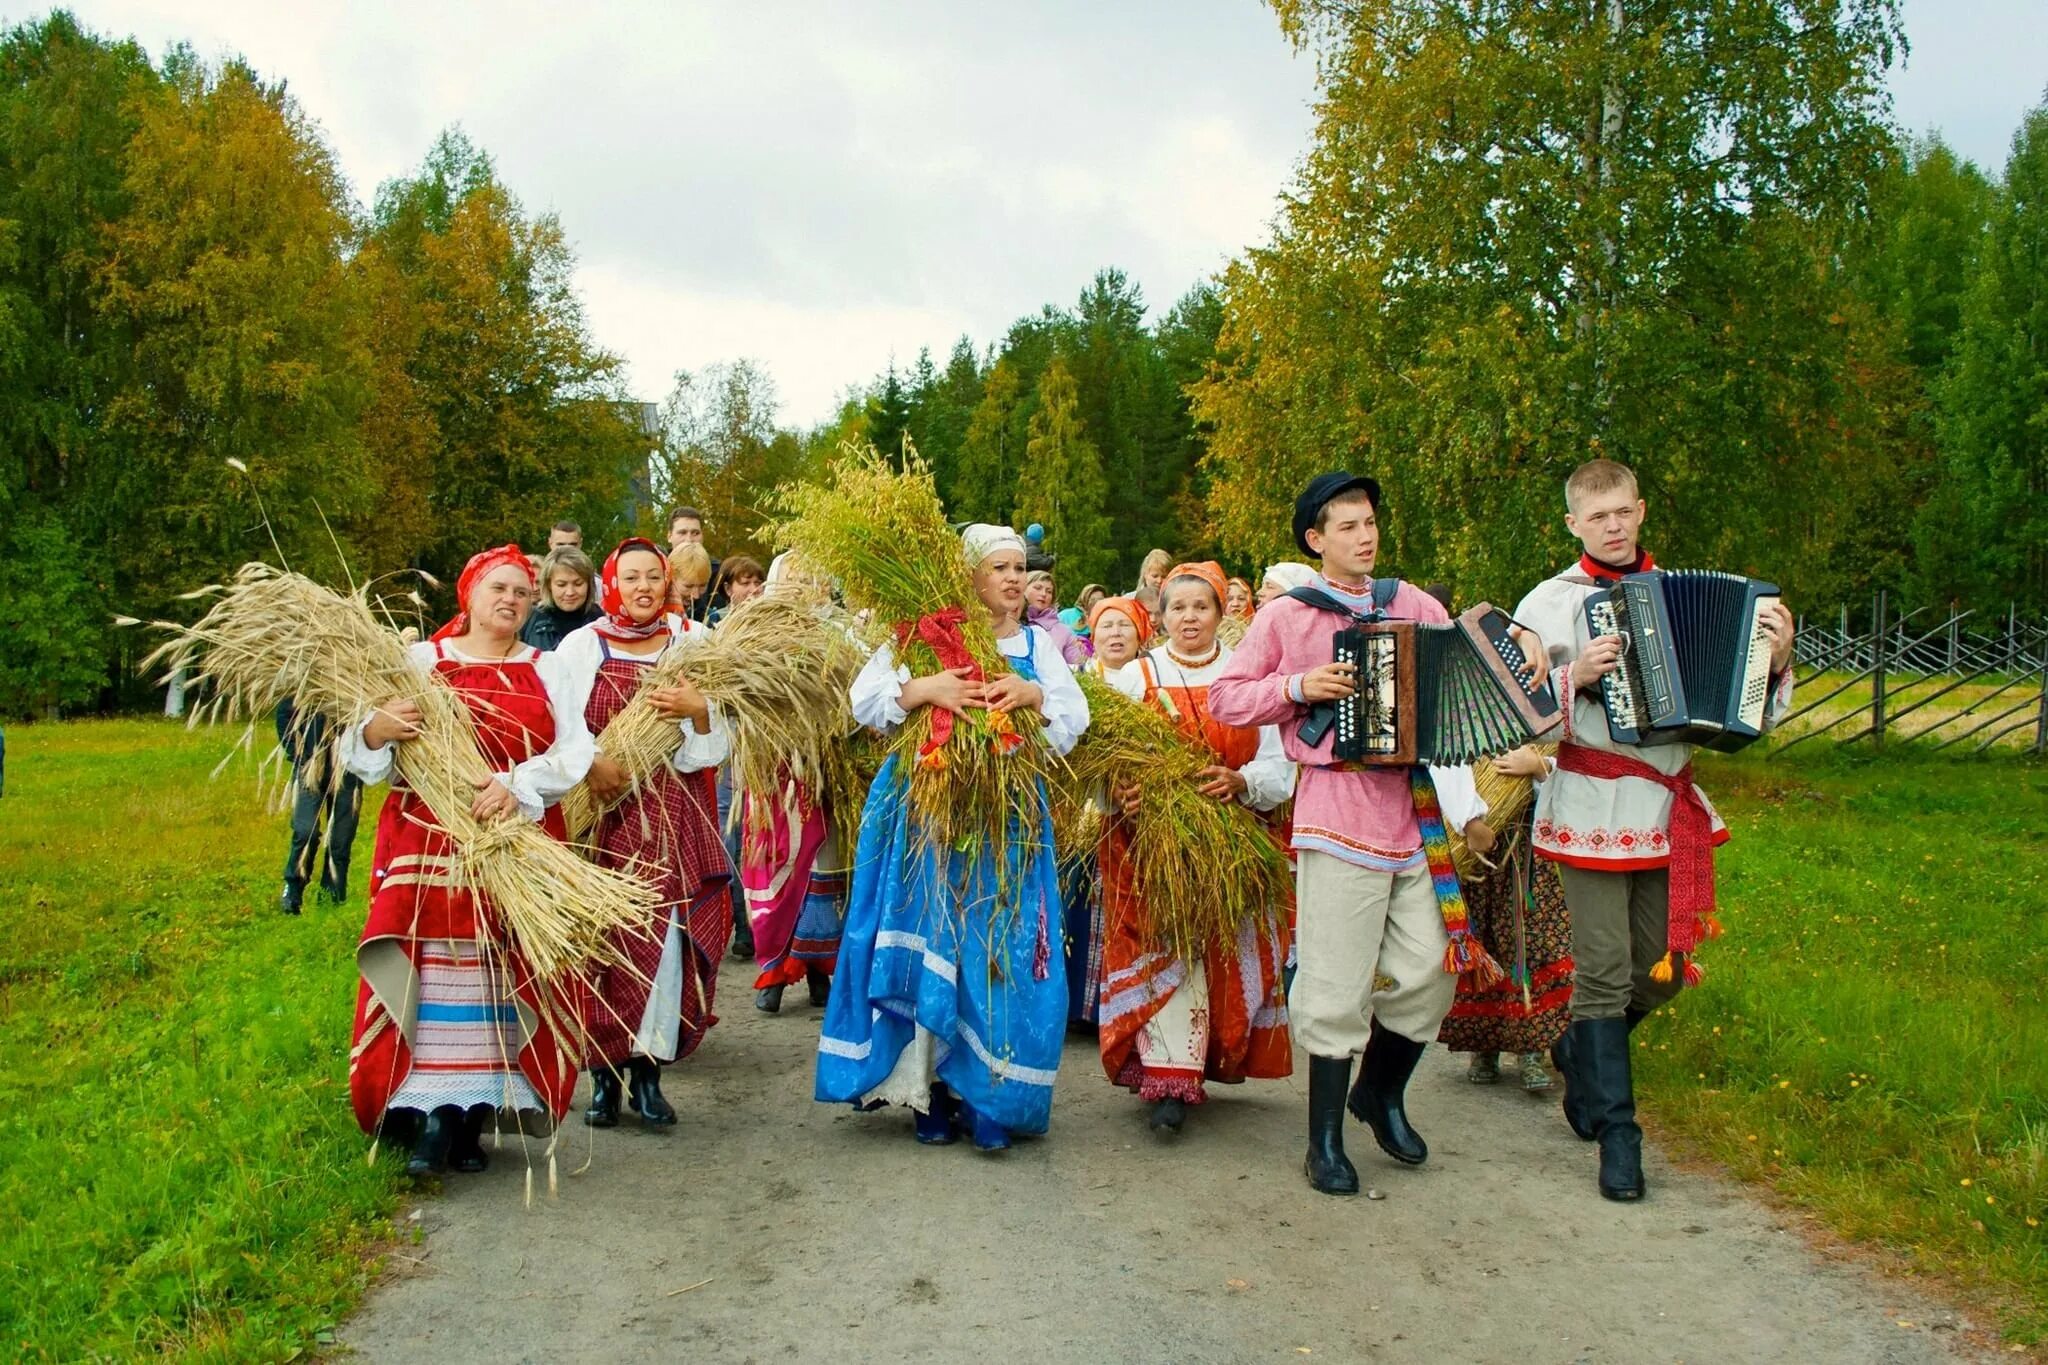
x: 1466, y: 956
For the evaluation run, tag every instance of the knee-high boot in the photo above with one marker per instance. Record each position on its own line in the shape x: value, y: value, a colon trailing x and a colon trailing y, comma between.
x: 1380, y: 1097
x: 1564, y: 1056
x: 1329, y: 1170
x: 1602, y: 1049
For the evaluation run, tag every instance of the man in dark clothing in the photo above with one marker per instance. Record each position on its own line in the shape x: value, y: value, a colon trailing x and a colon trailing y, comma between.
x: 316, y: 792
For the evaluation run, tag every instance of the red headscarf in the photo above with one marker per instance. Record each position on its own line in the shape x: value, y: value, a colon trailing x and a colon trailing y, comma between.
x: 618, y: 623
x: 479, y: 567
x: 1130, y: 607
x: 1209, y: 571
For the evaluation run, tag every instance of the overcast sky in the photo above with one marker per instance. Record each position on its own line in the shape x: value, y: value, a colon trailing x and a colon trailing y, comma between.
x: 825, y: 186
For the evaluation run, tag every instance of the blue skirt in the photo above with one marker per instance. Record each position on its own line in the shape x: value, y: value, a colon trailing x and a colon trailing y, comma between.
x: 1081, y: 891
x: 927, y: 946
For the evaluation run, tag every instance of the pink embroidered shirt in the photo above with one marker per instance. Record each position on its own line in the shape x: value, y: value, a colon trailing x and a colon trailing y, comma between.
x: 1366, y: 817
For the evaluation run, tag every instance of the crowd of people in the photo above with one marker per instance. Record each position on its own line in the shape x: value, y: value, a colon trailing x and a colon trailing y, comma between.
x: 950, y: 976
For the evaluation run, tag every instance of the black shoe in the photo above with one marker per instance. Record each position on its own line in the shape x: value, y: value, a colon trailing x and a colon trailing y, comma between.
x: 645, y: 1094
x: 819, y: 984
x: 742, y: 937
x: 1601, y: 1047
x: 293, y: 899
x: 1380, y: 1095
x: 1329, y: 1170
x: 1564, y: 1057
x: 437, y: 1134
x: 468, y: 1155
x: 768, y: 999
x: 604, y: 1098
x: 1168, y: 1115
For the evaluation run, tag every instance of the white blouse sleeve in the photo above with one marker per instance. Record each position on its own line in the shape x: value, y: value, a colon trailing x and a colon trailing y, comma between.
x: 876, y: 689
x: 1269, y: 777
x: 1065, y: 708
x: 1129, y: 680
x: 374, y: 765
x: 713, y: 745
x: 1457, y: 796
x: 546, y: 778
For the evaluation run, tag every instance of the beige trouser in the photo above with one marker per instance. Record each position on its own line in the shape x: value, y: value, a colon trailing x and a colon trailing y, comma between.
x: 1177, y: 1037
x: 1618, y: 934
x: 1370, y: 946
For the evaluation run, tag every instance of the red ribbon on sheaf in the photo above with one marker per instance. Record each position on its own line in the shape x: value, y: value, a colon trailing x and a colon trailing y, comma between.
x: 941, y: 631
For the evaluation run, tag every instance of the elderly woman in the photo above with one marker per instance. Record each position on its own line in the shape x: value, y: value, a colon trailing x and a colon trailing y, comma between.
x: 568, y: 598
x: 1041, y: 609
x: 657, y: 1006
x: 948, y: 997
x: 1169, y: 1024
x: 1283, y: 578
x: 1120, y: 628
x: 450, y: 1025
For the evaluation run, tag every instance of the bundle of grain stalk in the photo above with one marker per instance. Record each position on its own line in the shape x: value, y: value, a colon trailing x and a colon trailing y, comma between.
x: 274, y: 635
x: 1506, y: 798
x: 1204, y: 868
x: 779, y: 668
x: 880, y: 532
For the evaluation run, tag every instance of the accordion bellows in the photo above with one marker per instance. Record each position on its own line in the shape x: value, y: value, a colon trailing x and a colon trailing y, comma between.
x: 1439, y: 694
x: 1695, y: 662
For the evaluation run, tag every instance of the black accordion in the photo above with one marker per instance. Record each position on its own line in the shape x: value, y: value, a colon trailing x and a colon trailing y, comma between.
x: 1695, y: 658
x: 1439, y: 694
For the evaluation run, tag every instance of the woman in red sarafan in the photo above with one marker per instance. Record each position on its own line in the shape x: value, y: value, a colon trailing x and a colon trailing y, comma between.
x: 450, y: 1024
x: 657, y: 1007
x: 1166, y: 1025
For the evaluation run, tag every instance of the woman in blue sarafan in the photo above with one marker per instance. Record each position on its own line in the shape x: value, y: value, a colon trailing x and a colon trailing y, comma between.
x: 944, y: 1000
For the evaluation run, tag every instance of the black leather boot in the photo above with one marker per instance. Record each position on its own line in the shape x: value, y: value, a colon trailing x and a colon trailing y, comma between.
x: 1565, y: 1058
x: 768, y: 1000
x: 1602, y: 1048
x: 742, y: 930
x: 1380, y: 1097
x: 604, y: 1098
x: 645, y: 1093
x: 819, y: 984
x: 437, y: 1134
x: 1329, y: 1170
x: 468, y: 1154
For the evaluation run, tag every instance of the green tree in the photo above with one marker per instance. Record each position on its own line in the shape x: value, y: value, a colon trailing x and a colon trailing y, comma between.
x: 941, y: 404
x: 1061, y: 485
x: 1526, y: 235
x: 53, y: 616
x: 722, y: 454
x: 1930, y: 213
x: 1989, y: 528
x: 889, y: 415
x: 986, y: 483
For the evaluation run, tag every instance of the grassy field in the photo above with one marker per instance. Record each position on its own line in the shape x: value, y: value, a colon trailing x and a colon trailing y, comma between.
x: 183, y: 1173
x: 1872, y: 1037
x: 182, y: 1170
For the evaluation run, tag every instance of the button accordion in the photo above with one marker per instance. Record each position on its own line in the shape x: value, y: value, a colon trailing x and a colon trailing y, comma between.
x: 1695, y: 658
x: 1439, y: 694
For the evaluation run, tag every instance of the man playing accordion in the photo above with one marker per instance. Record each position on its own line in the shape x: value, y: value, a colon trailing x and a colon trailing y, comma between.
x: 1632, y: 836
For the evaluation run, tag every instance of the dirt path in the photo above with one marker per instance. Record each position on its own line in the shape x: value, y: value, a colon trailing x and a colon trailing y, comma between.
x: 830, y: 1235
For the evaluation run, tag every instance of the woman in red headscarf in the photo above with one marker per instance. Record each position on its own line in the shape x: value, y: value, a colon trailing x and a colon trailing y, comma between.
x: 450, y: 1024
x: 658, y: 1008
x: 1166, y: 1024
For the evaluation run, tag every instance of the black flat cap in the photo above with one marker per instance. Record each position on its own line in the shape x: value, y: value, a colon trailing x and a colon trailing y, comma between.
x: 1320, y: 491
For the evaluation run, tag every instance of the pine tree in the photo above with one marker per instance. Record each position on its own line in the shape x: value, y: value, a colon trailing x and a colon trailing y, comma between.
x: 1061, y: 485
x: 889, y: 416
x: 991, y: 452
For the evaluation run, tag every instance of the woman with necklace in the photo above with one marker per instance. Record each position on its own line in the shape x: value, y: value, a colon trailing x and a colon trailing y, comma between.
x: 1120, y: 626
x: 450, y: 1025
x: 658, y: 1008
x: 1167, y: 1024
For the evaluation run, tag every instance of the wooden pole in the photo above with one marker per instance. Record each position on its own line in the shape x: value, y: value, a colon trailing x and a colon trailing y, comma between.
x: 1877, y: 673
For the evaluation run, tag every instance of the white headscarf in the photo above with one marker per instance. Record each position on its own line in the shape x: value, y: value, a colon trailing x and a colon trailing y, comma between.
x: 981, y: 540
x: 1288, y: 575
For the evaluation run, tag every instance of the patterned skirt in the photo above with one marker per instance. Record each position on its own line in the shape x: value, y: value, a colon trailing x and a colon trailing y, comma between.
x: 1519, y: 914
x: 466, y: 1044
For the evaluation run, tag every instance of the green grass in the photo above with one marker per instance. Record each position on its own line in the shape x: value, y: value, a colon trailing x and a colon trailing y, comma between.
x: 1872, y: 1037
x: 182, y: 1172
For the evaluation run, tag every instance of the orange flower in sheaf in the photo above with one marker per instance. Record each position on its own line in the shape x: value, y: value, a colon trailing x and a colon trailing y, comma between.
x: 1006, y: 737
x: 935, y: 761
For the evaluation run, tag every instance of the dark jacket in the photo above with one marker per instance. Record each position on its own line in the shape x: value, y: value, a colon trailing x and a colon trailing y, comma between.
x: 548, y: 625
